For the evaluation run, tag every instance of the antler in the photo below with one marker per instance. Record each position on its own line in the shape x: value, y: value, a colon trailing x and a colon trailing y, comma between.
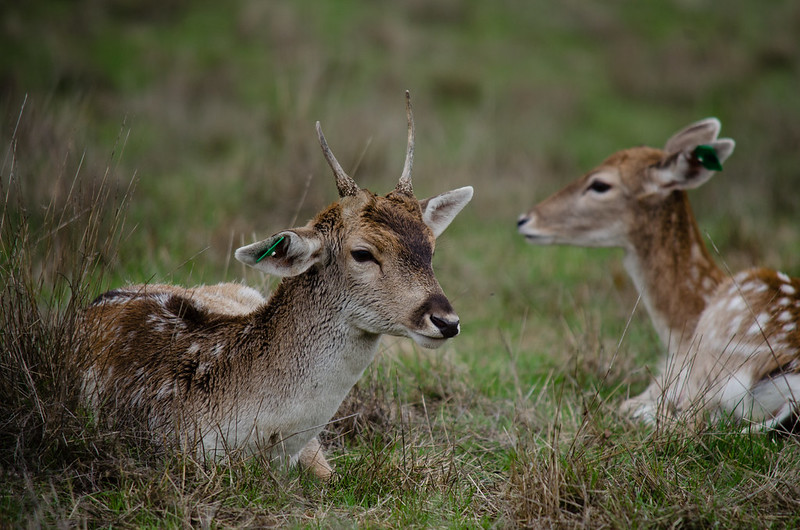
x: 346, y: 185
x: 404, y: 185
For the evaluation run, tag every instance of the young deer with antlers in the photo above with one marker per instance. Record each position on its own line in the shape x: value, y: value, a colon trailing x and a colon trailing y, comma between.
x: 229, y: 370
x: 733, y: 344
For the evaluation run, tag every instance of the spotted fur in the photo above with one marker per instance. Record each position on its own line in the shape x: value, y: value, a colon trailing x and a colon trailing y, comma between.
x: 227, y: 369
x: 733, y: 345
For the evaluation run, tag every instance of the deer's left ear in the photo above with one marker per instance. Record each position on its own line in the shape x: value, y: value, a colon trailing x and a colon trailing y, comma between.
x: 439, y: 211
x: 700, y: 132
x: 690, y: 167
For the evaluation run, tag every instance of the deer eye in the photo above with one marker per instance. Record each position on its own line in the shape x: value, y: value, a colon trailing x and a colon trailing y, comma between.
x: 599, y: 186
x: 362, y: 256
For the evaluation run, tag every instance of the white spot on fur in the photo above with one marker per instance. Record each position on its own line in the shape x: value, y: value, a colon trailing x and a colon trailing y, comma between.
x: 736, y: 323
x: 784, y: 301
x: 785, y: 316
x: 754, y: 285
x: 758, y: 325
x: 736, y: 304
x: 784, y: 278
x: 791, y: 326
x: 778, y: 340
x: 788, y: 289
x: 716, y: 305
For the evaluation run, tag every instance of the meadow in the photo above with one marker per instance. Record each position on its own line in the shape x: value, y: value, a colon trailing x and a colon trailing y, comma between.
x: 145, y: 141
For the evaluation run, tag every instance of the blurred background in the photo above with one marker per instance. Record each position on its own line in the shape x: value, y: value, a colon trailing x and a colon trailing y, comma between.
x: 208, y: 108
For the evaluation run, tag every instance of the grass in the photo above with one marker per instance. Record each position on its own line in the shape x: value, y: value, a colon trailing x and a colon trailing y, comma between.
x: 149, y: 146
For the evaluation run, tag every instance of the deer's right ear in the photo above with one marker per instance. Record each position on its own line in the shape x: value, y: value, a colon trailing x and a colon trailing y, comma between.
x: 286, y: 253
x: 691, y: 167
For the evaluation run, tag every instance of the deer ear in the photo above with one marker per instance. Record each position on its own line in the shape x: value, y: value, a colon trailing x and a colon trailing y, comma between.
x: 691, y: 167
x: 439, y: 211
x: 700, y: 132
x: 286, y: 253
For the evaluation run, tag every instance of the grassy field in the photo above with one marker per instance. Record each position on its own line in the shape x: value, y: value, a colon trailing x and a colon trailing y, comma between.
x: 144, y: 141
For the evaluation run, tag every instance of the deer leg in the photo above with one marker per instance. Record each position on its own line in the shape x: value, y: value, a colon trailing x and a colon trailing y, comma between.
x: 312, y: 458
x: 643, y: 407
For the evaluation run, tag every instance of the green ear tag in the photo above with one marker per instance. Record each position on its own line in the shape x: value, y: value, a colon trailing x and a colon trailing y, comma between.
x: 269, y: 251
x: 707, y: 157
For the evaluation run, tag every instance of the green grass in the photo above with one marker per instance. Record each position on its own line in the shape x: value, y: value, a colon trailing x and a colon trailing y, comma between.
x: 167, y: 134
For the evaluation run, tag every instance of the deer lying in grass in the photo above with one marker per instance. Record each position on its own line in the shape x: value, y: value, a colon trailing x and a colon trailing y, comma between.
x: 733, y: 344
x: 229, y: 370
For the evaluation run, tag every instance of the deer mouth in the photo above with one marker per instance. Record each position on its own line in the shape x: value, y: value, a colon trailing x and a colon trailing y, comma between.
x: 526, y: 225
x: 427, y: 341
x: 536, y: 238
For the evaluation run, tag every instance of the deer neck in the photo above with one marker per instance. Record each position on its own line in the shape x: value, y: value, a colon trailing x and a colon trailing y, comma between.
x: 671, y: 267
x: 304, y: 330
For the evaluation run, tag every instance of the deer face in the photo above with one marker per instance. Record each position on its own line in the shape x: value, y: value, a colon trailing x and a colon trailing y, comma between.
x: 629, y: 190
x: 374, y: 255
x: 387, y: 258
x: 597, y: 209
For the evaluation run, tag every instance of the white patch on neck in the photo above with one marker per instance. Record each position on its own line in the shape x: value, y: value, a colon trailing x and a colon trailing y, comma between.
x: 633, y: 266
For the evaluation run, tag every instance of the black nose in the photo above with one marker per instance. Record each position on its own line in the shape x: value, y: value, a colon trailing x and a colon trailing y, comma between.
x: 449, y: 328
x: 522, y: 220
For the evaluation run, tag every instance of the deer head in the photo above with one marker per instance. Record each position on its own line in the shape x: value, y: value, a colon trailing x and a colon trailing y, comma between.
x: 371, y: 256
x: 608, y: 205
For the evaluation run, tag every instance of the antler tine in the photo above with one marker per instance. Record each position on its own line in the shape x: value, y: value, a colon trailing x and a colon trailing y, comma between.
x: 346, y: 185
x: 404, y: 185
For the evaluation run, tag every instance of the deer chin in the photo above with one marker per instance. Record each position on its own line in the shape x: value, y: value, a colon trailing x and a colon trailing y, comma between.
x: 539, y: 239
x: 587, y: 239
x: 534, y: 236
x: 426, y: 341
